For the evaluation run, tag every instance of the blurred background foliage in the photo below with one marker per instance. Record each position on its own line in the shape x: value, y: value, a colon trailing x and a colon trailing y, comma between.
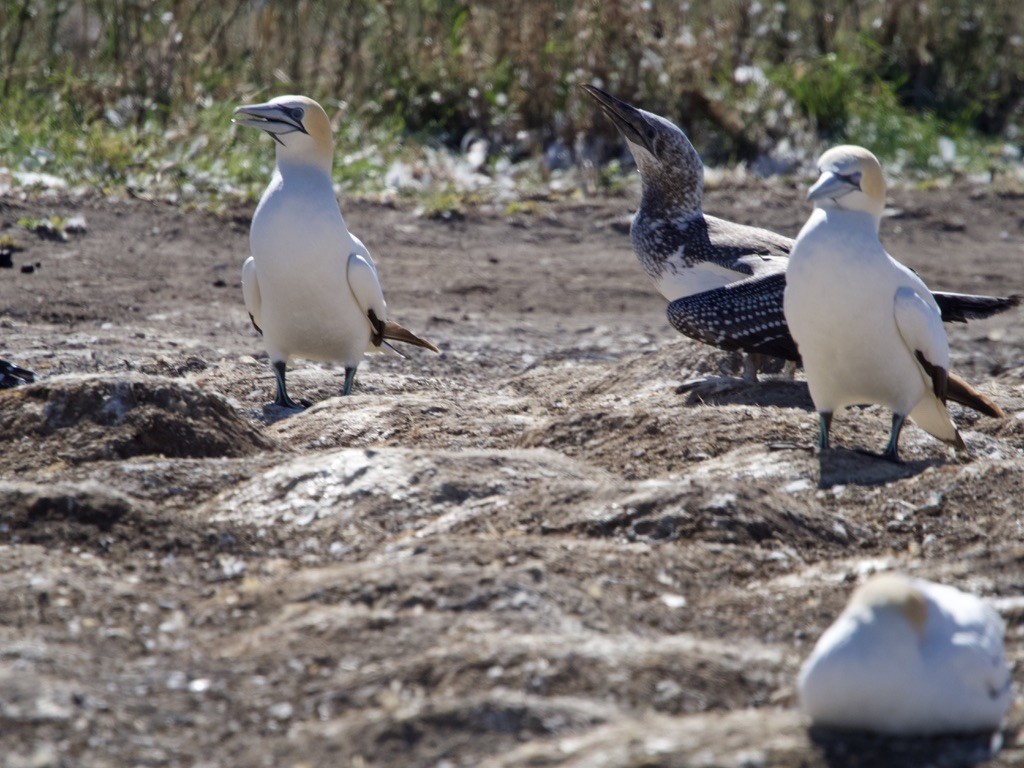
x: 131, y: 88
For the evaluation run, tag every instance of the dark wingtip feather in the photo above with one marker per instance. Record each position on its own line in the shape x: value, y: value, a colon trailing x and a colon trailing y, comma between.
x: 959, y: 391
x: 961, y: 307
x: 13, y: 376
x: 394, y: 332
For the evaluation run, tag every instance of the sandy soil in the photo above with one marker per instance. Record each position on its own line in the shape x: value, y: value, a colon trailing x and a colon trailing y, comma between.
x: 534, y: 549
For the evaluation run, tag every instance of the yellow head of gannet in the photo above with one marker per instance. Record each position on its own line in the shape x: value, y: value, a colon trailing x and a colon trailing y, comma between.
x: 299, y: 126
x: 896, y: 593
x: 851, y: 180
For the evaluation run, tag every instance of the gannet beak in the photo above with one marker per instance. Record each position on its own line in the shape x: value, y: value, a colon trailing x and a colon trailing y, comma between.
x: 275, y: 119
x: 628, y: 119
x: 831, y: 185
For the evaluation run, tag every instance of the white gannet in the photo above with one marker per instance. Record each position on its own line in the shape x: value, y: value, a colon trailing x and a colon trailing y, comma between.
x: 909, y: 657
x: 310, y: 286
x: 868, y: 328
x: 724, y: 281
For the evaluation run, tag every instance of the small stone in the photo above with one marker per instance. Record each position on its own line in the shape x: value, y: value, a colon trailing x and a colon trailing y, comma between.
x: 28, y: 269
x: 283, y: 710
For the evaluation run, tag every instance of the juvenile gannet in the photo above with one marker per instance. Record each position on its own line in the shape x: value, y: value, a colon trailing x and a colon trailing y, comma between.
x: 724, y: 281
x: 13, y: 376
x: 909, y: 657
x: 310, y: 286
x: 868, y: 328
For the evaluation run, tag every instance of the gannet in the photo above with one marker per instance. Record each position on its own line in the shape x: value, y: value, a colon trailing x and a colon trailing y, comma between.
x: 724, y: 281
x: 310, y: 286
x: 909, y: 657
x: 12, y: 376
x: 868, y: 328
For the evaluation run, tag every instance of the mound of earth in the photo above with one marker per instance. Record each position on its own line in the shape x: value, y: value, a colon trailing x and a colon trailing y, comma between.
x: 83, y: 418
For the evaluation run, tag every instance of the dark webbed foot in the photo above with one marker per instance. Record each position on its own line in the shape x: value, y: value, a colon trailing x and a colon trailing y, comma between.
x: 282, y: 400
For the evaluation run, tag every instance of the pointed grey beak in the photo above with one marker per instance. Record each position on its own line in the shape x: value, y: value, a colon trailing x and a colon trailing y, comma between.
x: 627, y: 118
x: 831, y: 185
x: 269, y: 117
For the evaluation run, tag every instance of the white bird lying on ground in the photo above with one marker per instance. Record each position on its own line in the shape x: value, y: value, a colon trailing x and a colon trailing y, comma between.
x: 310, y: 286
x: 909, y: 657
x: 868, y: 329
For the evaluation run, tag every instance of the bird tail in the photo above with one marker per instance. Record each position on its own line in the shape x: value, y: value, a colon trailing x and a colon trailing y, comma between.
x: 930, y: 414
x: 961, y: 307
x: 959, y: 391
x: 394, y: 332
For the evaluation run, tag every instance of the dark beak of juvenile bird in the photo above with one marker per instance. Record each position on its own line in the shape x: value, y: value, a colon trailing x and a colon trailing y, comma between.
x: 628, y: 119
x: 275, y: 119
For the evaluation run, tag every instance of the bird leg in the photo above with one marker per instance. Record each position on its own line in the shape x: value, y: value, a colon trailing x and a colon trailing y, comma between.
x: 824, y: 427
x: 282, y: 398
x: 350, y: 375
x: 890, y: 453
x: 751, y: 362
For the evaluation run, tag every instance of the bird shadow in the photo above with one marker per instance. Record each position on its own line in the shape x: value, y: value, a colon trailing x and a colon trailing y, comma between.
x: 843, y: 466
x: 273, y: 413
x: 729, y: 390
x: 862, y: 749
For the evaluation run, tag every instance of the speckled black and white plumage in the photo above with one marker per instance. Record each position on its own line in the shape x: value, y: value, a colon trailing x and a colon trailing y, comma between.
x: 724, y: 280
x: 754, y: 320
x: 12, y: 376
x: 668, y: 246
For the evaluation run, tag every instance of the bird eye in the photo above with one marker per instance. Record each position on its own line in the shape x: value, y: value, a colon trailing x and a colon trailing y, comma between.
x: 296, y: 114
x: 853, y: 179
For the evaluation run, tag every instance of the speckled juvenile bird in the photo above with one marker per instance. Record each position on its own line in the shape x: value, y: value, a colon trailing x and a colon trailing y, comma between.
x: 724, y: 281
x: 310, y: 286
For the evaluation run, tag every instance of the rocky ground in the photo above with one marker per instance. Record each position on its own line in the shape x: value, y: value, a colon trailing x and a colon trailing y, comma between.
x: 536, y: 548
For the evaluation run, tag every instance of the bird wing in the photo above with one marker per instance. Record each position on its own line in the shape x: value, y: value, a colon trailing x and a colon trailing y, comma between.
x: 920, y: 325
x: 961, y: 307
x: 744, y: 239
x: 365, y: 287
x: 979, y: 662
x: 251, y: 292
x: 362, y: 250
x: 745, y: 315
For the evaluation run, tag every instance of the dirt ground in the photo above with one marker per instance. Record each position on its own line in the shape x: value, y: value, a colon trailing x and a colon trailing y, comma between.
x: 533, y: 549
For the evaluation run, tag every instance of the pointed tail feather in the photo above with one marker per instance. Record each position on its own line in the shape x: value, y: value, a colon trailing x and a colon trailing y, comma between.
x: 959, y: 391
x: 930, y: 414
x: 961, y: 307
x: 394, y: 332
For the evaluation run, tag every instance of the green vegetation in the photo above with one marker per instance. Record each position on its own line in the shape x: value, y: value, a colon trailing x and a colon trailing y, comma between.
x: 136, y: 95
